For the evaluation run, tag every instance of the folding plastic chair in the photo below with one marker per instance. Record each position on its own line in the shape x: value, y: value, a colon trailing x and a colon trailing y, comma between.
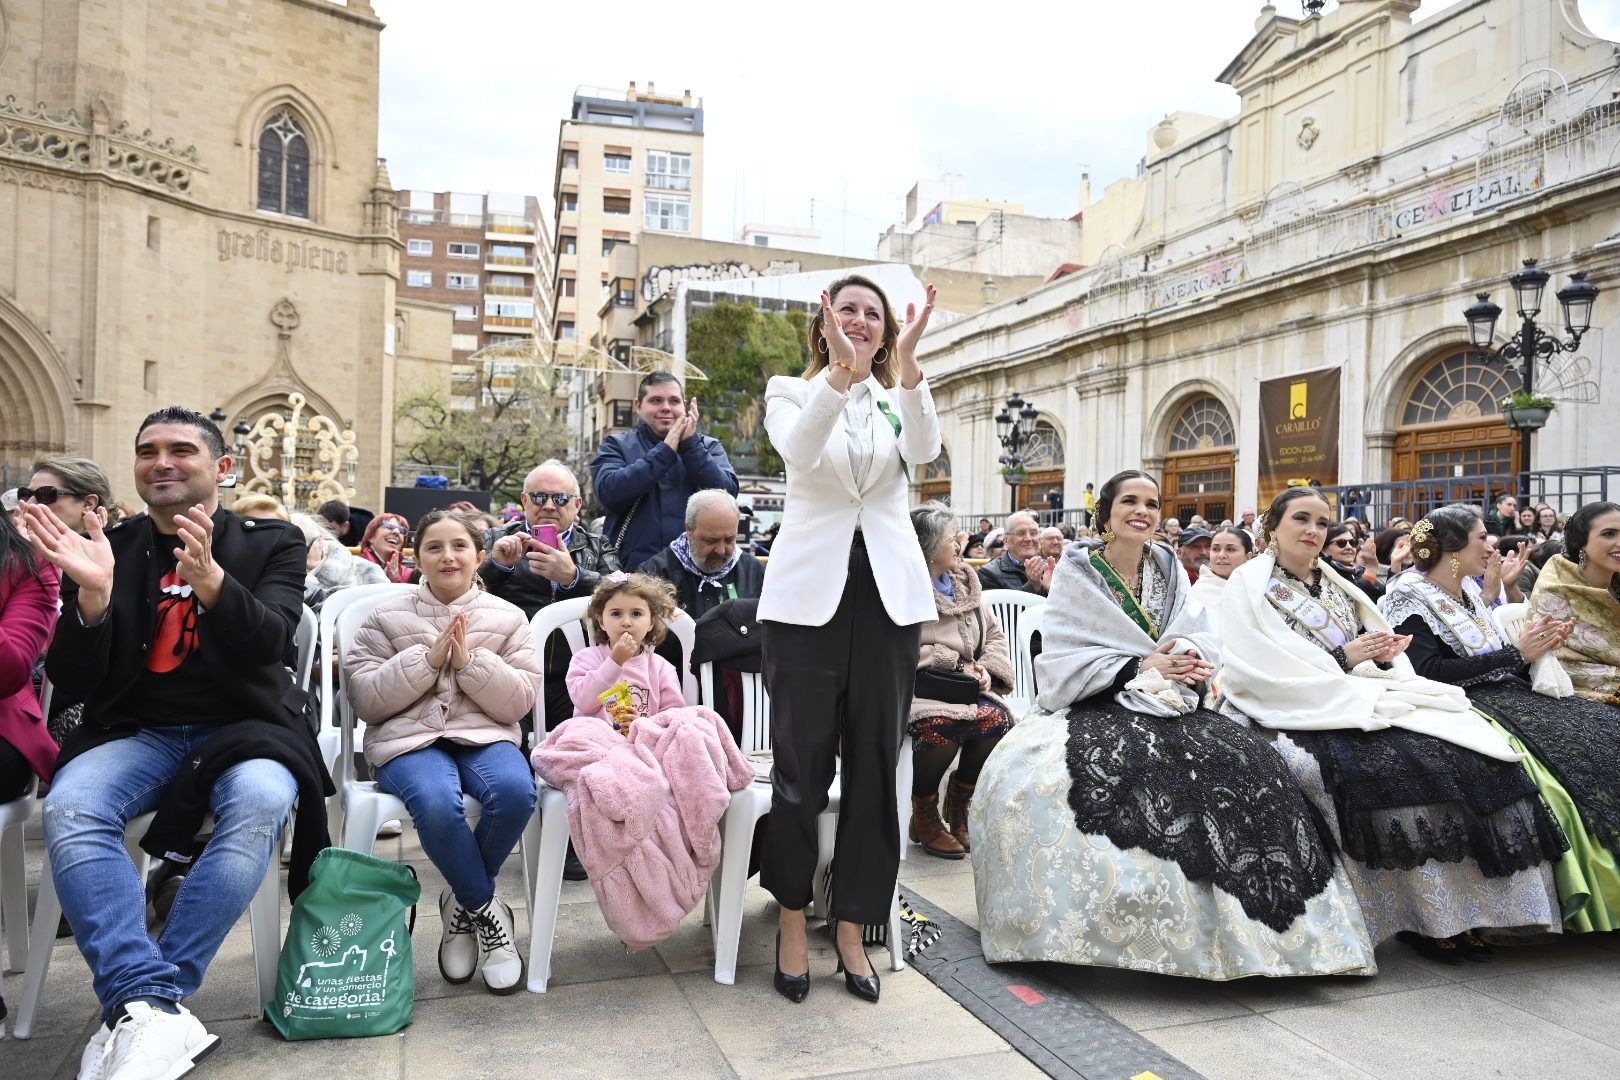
x: 729, y: 887
x: 14, y: 816
x: 550, y: 824
x: 1010, y: 606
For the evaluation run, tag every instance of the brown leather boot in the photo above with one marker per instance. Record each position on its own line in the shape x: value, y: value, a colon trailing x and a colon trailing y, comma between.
x: 958, y: 798
x: 929, y: 831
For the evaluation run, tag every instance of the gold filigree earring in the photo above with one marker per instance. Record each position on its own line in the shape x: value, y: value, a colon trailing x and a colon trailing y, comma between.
x: 1456, y: 566
x: 1108, y: 537
x: 1271, y: 547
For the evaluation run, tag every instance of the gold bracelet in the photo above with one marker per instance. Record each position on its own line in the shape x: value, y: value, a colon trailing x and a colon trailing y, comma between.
x: 846, y: 367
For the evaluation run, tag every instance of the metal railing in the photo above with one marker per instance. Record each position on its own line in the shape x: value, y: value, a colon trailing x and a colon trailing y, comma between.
x: 669, y: 182
x: 508, y: 260
x: 1565, y: 490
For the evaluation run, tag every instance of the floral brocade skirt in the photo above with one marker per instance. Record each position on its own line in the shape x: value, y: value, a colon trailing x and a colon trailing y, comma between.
x: 1201, y: 859
x: 931, y: 732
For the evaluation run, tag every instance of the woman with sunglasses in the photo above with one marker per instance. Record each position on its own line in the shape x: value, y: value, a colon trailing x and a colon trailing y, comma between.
x: 71, y: 487
x: 384, y: 544
x: 1350, y: 558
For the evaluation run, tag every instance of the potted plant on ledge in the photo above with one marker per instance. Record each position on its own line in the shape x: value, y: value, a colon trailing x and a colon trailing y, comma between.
x: 1525, y: 411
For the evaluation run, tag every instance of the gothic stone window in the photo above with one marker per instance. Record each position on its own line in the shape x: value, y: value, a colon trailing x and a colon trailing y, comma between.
x: 1204, y: 424
x: 284, y: 166
x: 1045, y: 448
x: 1456, y: 387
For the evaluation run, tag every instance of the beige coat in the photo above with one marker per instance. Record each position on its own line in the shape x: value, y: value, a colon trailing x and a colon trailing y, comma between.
x: 951, y: 641
x: 408, y: 705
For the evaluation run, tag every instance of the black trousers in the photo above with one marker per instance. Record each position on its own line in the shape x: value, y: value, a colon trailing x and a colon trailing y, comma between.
x: 839, y: 690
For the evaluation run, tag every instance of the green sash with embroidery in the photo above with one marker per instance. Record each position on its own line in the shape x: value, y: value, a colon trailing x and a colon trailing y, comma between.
x: 1122, y: 593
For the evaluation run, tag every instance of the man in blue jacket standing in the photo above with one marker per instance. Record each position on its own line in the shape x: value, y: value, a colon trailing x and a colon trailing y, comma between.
x: 644, y: 477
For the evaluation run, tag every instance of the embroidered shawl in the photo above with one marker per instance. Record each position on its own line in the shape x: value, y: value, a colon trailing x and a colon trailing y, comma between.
x: 1591, y: 656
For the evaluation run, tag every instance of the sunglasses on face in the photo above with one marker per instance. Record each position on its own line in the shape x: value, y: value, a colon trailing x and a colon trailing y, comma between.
x: 558, y: 498
x: 44, y: 495
x: 1344, y: 541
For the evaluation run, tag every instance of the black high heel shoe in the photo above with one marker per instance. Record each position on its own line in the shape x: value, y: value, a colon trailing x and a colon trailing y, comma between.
x: 793, y: 987
x: 865, y: 987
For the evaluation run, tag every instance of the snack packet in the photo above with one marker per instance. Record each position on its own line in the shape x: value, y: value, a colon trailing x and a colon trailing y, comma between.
x: 620, y: 704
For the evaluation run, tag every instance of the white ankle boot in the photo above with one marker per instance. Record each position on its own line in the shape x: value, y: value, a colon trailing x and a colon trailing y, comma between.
x: 497, y: 948
x: 458, y: 944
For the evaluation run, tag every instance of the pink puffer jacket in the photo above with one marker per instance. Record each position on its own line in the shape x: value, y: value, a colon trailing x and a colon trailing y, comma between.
x: 644, y: 812
x: 408, y: 705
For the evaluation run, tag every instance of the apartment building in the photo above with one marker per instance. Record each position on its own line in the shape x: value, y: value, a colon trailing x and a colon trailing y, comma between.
x: 488, y: 256
x: 628, y: 161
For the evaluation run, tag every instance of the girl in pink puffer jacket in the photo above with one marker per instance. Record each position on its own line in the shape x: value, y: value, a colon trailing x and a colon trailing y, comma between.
x: 443, y: 675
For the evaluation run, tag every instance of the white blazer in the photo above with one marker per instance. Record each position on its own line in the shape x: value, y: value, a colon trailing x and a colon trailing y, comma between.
x: 809, y: 563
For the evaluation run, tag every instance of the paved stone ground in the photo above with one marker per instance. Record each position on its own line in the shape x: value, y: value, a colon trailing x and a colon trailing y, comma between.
x: 1538, y: 1011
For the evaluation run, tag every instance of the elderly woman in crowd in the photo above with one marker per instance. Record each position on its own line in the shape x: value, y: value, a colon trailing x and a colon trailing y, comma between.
x: 1570, y: 744
x: 329, y: 565
x: 1442, y: 831
x: 1081, y: 847
x: 384, y: 544
x: 256, y: 504
x: 1583, y: 585
x: 962, y: 671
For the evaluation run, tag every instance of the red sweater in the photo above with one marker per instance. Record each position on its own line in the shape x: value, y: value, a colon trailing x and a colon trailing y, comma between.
x: 27, y: 620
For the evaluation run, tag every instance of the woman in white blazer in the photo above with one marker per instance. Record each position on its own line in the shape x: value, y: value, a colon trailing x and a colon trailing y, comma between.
x: 842, y: 608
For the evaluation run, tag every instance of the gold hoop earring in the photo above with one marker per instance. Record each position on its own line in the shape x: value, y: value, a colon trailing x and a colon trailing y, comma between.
x: 885, y: 351
x: 821, y: 346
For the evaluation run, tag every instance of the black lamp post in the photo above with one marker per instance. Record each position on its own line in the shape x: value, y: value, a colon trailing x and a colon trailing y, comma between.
x: 1015, y: 427
x: 241, y: 431
x: 1518, y: 354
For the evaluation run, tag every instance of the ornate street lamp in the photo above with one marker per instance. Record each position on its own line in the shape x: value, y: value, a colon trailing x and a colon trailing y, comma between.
x: 1015, y: 427
x: 1524, y: 411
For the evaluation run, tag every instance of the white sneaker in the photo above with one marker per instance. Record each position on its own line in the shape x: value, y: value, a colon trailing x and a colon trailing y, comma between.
x: 497, y: 948
x: 93, y: 1062
x: 458, y: 947
x: 149, y: 1044
x: 390, y: 828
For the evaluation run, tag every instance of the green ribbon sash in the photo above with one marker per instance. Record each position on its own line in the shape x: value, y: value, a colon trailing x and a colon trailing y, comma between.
x: 894, y: 422
x: 1122, y: 593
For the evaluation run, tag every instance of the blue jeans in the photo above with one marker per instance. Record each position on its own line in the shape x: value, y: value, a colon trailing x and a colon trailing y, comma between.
x: 91, y: 800
x: 430, y: 782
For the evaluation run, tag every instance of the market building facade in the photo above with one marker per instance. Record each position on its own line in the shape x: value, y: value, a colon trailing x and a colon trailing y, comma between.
x: 1281, y: 299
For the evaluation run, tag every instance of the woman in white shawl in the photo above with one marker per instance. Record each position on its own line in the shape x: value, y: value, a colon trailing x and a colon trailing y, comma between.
x: 1122, y: 825
x: 1229, y: 549
x: 1572, y: 742
x: 1441, y: 829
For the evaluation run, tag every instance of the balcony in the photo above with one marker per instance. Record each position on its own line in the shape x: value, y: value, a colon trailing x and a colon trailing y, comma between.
x: 509, y: 290
x: 503, y: 323
x: 508, y: 264
x: 669, y: 182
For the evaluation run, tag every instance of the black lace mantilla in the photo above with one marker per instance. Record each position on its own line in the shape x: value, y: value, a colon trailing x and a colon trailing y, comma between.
x: 1204, y: 792
x: 1575, y: 738
x: 1403, y: 798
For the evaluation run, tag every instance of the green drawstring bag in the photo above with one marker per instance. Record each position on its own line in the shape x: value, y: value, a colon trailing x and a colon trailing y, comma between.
x: 346, y: 970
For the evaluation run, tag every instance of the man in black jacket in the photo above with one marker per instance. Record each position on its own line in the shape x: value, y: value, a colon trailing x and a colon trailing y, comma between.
x: 704, y: 563
x: 175, y: 625
x: 531, y: 574
x: 1020, y: 567
x: 645, y: 475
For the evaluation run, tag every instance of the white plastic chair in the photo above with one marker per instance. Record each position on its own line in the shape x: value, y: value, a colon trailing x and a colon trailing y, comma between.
x: 1511, y: 618
x: 264, y: 918
x: 326, y: 650
x: 13, y: 884
x: 1022, y: 699
x: 729, y: 887
x: 365, y: 807
x: 1009, y: 607
x: 549, y: 826
x: 305, y: 639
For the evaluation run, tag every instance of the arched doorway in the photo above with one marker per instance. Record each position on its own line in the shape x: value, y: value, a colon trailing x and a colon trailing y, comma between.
x: 934, y: 479
x: 1451, y: 428
x: 33, y: 405
x: 1043, y: 464
x: 1199, y: 461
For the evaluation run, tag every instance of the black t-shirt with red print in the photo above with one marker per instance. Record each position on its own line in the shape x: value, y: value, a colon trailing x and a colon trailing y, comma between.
x: 174, y: 688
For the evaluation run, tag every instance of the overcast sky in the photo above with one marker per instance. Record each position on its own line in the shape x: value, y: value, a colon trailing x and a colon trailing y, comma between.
x: 820, y: 114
